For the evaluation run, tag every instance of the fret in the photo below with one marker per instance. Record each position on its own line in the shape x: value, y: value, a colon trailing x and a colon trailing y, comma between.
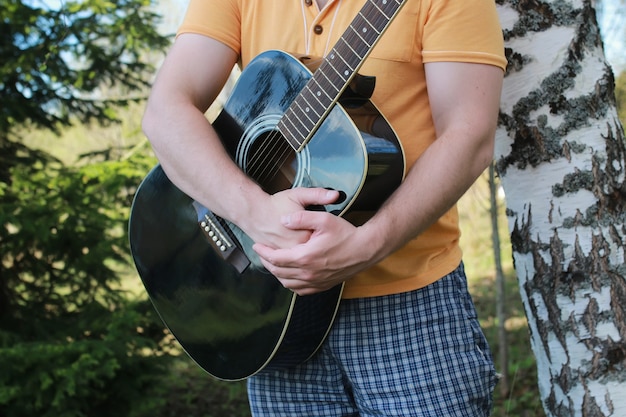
x: 371, y: 26
x: 316, y: 92
x: 335, y: 54
x: 368, y: 32
x: 355, y: 54
x: 342, y: 74
x: 306, y: 111
x: 288, y: 126
x: 346, y: 68
x: 301, y: 126
x: 380, y: 10
x: 322, y: 91
x: 358, y: 34
x: 329, y: 81
x: 301, y: 117
x: 314, y: 99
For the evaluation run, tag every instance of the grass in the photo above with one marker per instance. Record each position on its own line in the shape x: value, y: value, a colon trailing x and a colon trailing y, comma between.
x: 81, y: 139
x: 192, y: 393
x: 522, y: 399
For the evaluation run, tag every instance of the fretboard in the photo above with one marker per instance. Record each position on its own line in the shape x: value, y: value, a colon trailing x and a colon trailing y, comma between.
x: 322, y: 91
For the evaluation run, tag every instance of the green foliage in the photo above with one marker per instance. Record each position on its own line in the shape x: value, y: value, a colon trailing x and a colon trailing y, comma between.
x: 191, y: 393
x: 56, y: 63
x: 522, y: 399
x: 64, y: 231
x: 72, y: 343
x: 104, y: 373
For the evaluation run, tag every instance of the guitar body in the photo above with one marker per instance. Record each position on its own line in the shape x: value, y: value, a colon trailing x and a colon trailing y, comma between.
x: 230, y: 314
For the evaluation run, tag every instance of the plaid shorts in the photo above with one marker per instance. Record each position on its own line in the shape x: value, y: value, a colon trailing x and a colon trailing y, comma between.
x: 420, y: 353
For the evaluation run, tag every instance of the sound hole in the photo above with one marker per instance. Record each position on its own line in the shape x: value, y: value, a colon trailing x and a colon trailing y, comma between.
x: 272, y: 162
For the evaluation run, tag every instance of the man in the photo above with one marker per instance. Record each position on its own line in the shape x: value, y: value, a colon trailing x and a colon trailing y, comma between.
x: 406, y: 340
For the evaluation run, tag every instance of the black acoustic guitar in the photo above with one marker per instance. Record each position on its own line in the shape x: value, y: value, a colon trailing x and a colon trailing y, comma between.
x: 285, y: 127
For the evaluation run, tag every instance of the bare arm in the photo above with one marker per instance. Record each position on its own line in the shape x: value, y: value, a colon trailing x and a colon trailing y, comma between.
x: 186, y: 145
x: 464, y: 99
x: 465, y: 102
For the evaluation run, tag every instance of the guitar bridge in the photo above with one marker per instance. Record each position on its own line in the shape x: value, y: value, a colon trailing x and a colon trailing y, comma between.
x: 220, y: 239
x: 221, y: 242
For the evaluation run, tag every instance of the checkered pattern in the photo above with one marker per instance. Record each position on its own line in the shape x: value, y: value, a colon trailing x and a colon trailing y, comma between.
x: 420, y: 353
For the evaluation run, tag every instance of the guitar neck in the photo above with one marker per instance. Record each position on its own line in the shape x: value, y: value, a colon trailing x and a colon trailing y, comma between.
x: 322, y: 91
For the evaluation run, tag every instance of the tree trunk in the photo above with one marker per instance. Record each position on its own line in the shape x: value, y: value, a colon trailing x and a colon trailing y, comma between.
x: 560, y: 155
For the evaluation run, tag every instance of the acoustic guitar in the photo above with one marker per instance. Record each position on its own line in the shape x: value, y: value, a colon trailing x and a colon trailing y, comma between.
x: 285, y: 126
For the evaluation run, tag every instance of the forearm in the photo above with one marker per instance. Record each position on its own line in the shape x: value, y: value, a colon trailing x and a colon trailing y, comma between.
x: 193, y: 157
x: 431, y: 188
x: 464, y: 99
x: 184, y: 141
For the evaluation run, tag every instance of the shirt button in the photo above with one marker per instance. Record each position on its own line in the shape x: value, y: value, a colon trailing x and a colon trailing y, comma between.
x: 308, y: 2
x: 318, y: 29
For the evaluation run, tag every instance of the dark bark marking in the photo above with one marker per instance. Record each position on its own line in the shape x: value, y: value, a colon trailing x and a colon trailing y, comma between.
x: 593, y: 271
x: 573, y: 182
x: 534, y: 143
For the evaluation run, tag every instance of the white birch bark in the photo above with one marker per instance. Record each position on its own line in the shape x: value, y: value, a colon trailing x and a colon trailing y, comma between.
x: 560, y: 155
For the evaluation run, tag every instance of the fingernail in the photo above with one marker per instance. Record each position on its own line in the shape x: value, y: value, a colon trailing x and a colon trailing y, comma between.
x: 286, y: 220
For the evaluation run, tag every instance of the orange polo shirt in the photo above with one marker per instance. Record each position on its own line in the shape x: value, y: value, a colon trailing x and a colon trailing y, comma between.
x: 424, y: 31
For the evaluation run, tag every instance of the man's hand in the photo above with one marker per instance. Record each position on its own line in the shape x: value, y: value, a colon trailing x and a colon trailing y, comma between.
x: 331, y: 255
x: 264, y: 222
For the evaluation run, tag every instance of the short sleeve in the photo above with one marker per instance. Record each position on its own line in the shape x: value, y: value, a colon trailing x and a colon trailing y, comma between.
x: 218, y: 19
x: 463, y: 31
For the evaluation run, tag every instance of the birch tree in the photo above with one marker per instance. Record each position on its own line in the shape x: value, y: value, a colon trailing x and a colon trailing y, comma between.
x: 560, y: 154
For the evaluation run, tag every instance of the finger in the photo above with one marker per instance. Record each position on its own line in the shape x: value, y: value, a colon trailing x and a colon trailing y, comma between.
x: 314, y: 196
x: 281, y: 263
x: 291, y: 278
x: 272, y: 258
x: 264, y: 252
x: 304, y: 220
x: 302, y: 287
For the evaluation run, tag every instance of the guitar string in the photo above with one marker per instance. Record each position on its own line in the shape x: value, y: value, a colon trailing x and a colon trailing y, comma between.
x: 272, y: 145
x: 301, y: 121
x: 270, y: 169
x: 280, y: 147
x: 267, y: 161
x: 260, y: 168
x: 274, y: 139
